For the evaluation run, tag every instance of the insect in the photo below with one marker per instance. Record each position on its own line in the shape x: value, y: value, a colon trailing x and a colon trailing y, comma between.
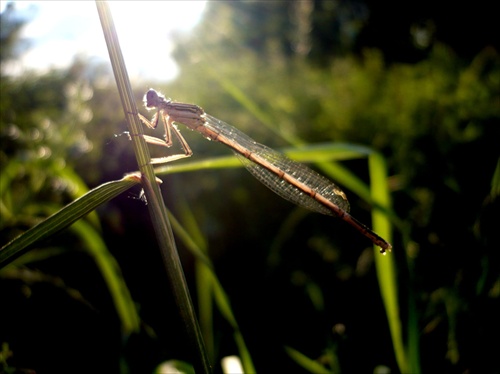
x: 289, y: 179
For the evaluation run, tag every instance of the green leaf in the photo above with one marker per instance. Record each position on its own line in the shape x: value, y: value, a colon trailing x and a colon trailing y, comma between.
x: 495, y: 181
x: 385, y: 265
x: 307, y: 363
x: 209, y: 287
x: 110, y: 270
x: 65, y: 217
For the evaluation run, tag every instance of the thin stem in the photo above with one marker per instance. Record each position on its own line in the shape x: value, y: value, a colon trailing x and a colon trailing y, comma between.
x: 156, y: 205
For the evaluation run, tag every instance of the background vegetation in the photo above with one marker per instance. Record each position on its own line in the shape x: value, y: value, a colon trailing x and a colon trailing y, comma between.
x: 422, y: 88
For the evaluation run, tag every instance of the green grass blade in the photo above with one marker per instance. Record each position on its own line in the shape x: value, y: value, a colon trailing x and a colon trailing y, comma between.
x: 308, y: 153
x: 79, y: 188
x: 112, y: 275
x: 190, y: 233
x: 65, y: 217
x: 495, y: 181
x: 156, y: 205
x: 307, y: 363
x: 209, y: 287
x: 385, y: 265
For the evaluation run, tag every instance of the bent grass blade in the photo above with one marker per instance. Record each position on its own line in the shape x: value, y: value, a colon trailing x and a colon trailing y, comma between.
x: 65, y: 217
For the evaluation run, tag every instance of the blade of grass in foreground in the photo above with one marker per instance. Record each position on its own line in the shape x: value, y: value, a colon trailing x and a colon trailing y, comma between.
x: 312, y: 366
x: 385, y: 266
x: 68, y: 216
x: 209, y: 287
x: 156, y: 205
x: 65, y: 217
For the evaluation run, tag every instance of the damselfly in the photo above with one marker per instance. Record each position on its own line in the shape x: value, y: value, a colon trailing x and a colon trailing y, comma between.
x: 291, y: 180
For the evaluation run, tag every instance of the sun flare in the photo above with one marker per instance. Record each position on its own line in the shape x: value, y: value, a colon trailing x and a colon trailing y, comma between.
x: 147, y: 28
x: 58, y: 31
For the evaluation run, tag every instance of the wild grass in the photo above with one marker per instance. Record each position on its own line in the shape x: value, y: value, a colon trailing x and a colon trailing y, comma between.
x: 212, y: 298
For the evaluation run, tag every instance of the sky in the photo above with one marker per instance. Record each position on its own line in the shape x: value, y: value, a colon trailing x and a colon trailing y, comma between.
x: 59, y: 30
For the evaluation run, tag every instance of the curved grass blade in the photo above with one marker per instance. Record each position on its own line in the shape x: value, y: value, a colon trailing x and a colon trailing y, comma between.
x: 209, y: 287
x: 307, y: 363
x: 65, y: 217
x: 385, y: 266
x: 110, y: 271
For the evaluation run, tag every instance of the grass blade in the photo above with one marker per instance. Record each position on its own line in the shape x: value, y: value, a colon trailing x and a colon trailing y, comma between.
x: 385, y: 265
x: 156, y: 205
x: 209, y: 287
x: 110, y: 271
x: 65, y: 217
x: 307, y: 363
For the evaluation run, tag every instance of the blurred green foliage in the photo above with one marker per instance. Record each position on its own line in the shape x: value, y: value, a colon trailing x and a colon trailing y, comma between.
x: 305, y: 74
x: 42, y: 133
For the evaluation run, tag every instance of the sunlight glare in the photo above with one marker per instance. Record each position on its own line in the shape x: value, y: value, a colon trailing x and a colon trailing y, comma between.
x: 147, y: 29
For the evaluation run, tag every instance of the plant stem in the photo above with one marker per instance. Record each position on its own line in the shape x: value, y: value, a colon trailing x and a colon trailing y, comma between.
x: 156, y: 205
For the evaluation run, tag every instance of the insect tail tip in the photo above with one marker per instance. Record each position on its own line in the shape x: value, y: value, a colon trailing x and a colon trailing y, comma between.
x: 386, y: 249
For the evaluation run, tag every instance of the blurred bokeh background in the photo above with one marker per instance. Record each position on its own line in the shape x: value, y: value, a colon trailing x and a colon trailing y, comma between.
x: 418, y: 82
